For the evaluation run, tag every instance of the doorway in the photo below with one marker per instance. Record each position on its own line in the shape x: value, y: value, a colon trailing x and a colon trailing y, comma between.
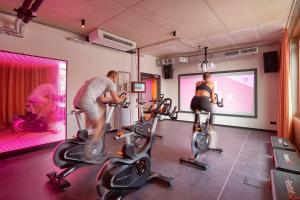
x: 153, y: 87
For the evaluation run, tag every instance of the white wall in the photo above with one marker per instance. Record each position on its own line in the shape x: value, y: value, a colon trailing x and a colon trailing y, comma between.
x: 84, y: 60
x: 267, y: 90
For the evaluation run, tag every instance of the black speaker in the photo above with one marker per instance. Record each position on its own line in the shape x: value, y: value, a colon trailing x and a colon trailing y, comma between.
x: 271, y: 61
x: 168, y: 71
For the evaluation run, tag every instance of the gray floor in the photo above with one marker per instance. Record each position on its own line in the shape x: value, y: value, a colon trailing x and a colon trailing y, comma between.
x: 246, y: 155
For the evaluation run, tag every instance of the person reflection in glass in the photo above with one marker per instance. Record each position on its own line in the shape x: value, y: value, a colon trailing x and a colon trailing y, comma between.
x: 42, y: 101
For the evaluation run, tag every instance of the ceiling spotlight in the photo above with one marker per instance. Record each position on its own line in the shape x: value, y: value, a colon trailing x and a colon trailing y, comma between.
x: 173, y: 34
x: 82, y: 23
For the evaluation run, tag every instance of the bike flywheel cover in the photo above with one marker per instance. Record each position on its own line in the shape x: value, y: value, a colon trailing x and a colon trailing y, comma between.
x: 93, y: 150
x: 199, y: 143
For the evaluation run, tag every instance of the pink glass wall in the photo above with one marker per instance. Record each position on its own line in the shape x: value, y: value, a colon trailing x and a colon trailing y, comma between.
x: 10, y: 139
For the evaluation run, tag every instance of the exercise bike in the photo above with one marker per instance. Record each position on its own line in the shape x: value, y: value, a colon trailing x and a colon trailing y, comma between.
x: 29, y: 121
x: 72, y: 154
x: 143, y: 121
x: 143, y: 125
x: 154, y: 104
x: 119, y: 176
x: 202, y: 141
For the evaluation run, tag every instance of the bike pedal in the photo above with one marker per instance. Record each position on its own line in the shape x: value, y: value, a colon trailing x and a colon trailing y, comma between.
x: 197, y: 129
x: 120, y: 153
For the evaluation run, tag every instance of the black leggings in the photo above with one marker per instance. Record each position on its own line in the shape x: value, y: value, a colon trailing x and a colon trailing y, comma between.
x: 202, y: 103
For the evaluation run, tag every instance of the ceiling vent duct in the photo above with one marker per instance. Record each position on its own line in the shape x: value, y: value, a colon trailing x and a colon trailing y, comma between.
x: 241, y: 52
x: 194, y: 59
x: 252, y: 50
x: 110, y: 40
x: 183, y: 59
x: 231, y: 53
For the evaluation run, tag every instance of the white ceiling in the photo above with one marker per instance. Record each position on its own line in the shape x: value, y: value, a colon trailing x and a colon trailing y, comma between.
x: 213, y: 23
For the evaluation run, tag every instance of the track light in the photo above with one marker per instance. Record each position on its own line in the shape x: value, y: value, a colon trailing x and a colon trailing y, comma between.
x: 173, y: 33
x: 82, y: 23
x: 204, y: 66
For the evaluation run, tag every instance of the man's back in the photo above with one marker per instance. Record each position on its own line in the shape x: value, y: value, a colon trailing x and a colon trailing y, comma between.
x: 94, y: 88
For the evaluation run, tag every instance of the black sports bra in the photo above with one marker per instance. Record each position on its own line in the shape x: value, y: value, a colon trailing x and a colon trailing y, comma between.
x: 203, y: 86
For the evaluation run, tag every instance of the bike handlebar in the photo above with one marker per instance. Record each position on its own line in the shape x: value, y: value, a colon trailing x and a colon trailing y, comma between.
x: 219, y: 102
x: 164, y: 108
x: 124, y: 104
x: 158, y: 99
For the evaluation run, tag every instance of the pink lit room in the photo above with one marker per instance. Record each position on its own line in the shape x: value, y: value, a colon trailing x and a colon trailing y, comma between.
x: 147, y: 99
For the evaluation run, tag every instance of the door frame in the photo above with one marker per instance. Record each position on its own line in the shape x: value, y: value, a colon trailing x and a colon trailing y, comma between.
x: 153, y: 76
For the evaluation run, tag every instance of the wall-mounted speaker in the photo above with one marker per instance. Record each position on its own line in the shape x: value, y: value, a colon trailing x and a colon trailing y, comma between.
x: 167, y: 71
x: 271, y: 62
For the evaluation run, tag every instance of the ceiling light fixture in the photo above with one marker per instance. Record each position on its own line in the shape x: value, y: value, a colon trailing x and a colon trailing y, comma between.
x: 173, y: 33
x: 204, y: 66
x: 82, y: 23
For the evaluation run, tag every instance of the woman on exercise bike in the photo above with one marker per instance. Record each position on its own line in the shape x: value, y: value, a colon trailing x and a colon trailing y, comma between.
x: 204, y: 95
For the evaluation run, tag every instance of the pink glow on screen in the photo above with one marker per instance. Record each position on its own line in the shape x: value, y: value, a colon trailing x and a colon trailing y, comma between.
x: 237, y: 91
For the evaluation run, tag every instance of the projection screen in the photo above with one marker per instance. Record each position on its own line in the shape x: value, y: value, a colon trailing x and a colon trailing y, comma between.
x: 237, y: 88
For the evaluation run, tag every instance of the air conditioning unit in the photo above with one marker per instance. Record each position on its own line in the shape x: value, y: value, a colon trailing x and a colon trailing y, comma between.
x: 110, y: 40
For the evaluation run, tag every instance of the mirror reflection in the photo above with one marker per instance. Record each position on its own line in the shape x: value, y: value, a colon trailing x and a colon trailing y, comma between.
x: 32, y: 102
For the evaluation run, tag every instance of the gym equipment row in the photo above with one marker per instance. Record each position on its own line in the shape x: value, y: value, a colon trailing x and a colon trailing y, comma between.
x: 121, y: 174
x: 285, y: 178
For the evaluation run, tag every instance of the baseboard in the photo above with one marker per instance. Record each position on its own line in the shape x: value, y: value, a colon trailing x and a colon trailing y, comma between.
x: 249, y: 128
x: 12, y: 153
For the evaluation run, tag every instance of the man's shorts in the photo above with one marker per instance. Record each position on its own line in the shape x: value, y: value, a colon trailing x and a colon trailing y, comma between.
x: 91, y: 108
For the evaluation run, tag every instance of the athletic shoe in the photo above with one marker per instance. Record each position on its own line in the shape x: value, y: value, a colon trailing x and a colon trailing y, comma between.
x: 93, y: 151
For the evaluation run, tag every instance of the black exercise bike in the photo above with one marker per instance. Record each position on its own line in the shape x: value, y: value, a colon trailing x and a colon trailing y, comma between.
x: 201, y: 140
x: 119, y: 176
x: 72, y: 154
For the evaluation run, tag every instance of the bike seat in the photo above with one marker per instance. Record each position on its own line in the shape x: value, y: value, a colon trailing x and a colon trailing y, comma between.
x: 76, y: 111
x: 128, y: 128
